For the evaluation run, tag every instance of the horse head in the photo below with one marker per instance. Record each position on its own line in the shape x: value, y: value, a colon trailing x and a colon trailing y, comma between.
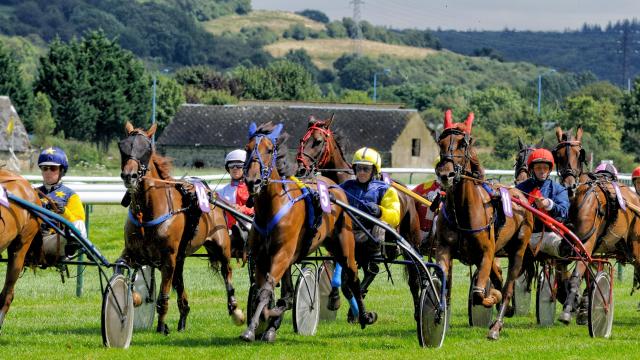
x: 262, y: 153
x: 569, y: 157
x: 524, y: 150
x: 456, y: 152
x: 135, y: 154
x: 314, y: 150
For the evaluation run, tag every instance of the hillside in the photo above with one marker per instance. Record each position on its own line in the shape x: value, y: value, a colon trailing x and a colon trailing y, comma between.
x: 276, y: 21
x: 324, y: 52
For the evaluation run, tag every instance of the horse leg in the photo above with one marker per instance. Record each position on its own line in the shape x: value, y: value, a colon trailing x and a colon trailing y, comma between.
x: 572, y: 297
x: 262, y: 302
x: 162, y: 304
x: 16, y: 255
x: 443, y: 257
x: 515, y: 266
x: 284, y: 303
x: 221, y: 253
x: 183, y: 301
x: 484, y: 272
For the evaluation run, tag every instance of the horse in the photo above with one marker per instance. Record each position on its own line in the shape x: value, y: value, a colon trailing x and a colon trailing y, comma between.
x: 19, y: 235
x: 283, y: 233
x: 569, y: 157
x: 320, y: 149
x: 521, y: 168
x: 467, y: 223
x: 599, y: 219
x: 165, y: 225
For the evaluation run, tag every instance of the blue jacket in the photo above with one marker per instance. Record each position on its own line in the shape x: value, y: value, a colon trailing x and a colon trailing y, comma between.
x: 378, y: 192
x: 550, y: 190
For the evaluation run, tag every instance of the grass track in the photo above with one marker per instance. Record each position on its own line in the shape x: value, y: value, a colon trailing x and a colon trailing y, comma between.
x: 47, y: 321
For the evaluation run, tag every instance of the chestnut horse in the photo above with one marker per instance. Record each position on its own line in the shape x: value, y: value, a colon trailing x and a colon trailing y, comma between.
x: 467, y: 222
x: 524, y: 150
x: 604, y: 225
x: 165, y: 225
x: 320, y: 150
x: 281, y: 233
x: 19, y: 234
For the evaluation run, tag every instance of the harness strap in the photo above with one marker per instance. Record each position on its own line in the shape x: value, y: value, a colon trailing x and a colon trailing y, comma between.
x: 276, y: 219
x: 154, y: 222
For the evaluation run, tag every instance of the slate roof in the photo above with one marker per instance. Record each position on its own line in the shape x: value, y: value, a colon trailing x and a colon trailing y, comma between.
x: 227, y: 126
x: 20, y: 138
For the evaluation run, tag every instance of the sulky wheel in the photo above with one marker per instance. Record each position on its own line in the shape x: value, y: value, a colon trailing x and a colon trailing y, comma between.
x: 546, y: 296
x: 306, y: 304
x: 117, y: 313
x: 601, y: 306
x: 522, y: 295
x: 144, y: 285
x: 325, y: 272
x: 432, y: 322
x: 479, y: 315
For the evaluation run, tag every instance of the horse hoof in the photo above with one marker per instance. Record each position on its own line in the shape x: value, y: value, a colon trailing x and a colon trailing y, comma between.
x: 565, y: 317
x: 269, y: 336
x: 493, y: 335
x: 510, y: 312
x: 163, y: 329
x: 334, y: 302
x: 369, y: 318
x: 582, y: 318
x: 248, y: 336
x: 237, y: 316
x: 182, y: 324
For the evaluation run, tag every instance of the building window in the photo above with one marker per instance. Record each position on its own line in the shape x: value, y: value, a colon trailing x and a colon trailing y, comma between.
x: 415, y: 147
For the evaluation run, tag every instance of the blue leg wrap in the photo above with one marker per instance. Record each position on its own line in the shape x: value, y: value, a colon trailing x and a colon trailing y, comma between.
x: 354, y: 306
x: 336, y: 280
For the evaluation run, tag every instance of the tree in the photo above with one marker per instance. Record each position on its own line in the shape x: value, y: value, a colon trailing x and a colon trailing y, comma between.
x: 358, y: 74
x: 598, y: 118
x: 12, y: 85
x: 169, y: 97
x: 43, y: 123
x: 631, y: 111
x: 315, y: 15
x: 94, y: 86
x: 282, y: 80
x: 301, y: 57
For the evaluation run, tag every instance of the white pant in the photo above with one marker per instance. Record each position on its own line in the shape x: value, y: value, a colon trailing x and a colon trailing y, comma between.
x: 550, y: 243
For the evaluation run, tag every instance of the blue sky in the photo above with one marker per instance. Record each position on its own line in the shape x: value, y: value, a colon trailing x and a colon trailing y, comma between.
x: 472, y: 14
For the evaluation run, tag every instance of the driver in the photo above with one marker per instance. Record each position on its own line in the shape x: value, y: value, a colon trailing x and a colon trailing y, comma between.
x: 58, y: 198
x: 635, y: 177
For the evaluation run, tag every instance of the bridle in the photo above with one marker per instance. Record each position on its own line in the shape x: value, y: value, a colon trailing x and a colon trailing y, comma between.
x: 567, y: 170
x: 255, y: 155
x: 128, y: 154
x: 309, y: 162
x: 458, y: 169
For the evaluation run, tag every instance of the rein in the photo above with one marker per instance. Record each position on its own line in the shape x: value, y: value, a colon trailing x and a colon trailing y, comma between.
x: 323, y: 159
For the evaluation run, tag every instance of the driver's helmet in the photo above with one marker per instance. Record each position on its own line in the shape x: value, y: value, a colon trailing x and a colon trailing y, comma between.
x: 54, y: 156
x: 235, y: 156
x: 540, y: 156
x: 606, y: 167
x: 367, y: 156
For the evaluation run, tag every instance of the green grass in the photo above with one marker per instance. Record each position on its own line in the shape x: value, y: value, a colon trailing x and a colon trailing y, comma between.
x: 47, y: 321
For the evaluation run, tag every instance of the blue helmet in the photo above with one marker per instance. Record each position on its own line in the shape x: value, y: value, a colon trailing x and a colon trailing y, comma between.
x: 54, y: 156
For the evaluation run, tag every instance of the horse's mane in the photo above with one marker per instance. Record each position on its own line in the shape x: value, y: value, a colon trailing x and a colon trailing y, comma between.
x: 284, y: 166
x: 163, y: 166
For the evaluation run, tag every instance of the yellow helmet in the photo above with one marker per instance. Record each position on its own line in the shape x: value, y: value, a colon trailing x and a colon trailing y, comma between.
x: 367, y: 156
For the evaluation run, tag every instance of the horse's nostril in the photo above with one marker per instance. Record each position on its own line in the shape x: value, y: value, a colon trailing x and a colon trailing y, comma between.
x: 123, y: 176
x: 451, y: 174
x: 134, y: 176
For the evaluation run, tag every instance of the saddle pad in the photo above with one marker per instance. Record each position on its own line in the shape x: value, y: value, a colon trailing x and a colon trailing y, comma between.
x: 621, y: 202
x: 201, y: 195
x: 4, y: 201
x: 506, y: 202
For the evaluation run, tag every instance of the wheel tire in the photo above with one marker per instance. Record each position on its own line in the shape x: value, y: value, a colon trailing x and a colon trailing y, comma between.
x: 144, y: 284
x: 521, y: 296
x: 325, y: 271
x: 546, y: 297
x: 601, y: 306
x: 432, y: 322
x: 479, y: 315
x: 306, y: 304
x: 117, y: 313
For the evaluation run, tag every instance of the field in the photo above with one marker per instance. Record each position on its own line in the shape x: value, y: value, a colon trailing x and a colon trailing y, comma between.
x: 325, y: 51
x: 277, y: 21
x: 47, y: 321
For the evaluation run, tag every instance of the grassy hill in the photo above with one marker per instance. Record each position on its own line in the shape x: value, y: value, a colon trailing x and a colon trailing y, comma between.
x: 324, y: 52
x: 277, y: 21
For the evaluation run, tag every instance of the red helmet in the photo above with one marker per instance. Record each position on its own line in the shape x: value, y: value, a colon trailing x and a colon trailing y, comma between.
x: 540, y: 156
x: 635, y: 173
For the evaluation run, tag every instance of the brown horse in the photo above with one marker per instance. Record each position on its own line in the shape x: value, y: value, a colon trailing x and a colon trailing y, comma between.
x: 467, y: 223
x: 19, y: 234
x: 165, y: 225
x: 282, y: 233
x: 598, y: 219
x: 320, y: 150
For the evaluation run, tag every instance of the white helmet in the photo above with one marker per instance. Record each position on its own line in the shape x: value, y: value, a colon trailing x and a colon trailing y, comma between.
x: 235, y: 156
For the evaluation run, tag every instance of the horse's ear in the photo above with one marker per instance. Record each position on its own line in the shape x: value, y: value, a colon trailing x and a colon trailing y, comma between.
x: 540, y: 143
x: 559, y: 133
x: 275, y: 133
x: 252, y: 129
x: 327, y: 123
x: 128, y: 128
x: 152, y: 130
x: 520, y: 143
x: 312, y: 120
x: 579, y: 133
x: 448, y: 121
x: 469, y: 122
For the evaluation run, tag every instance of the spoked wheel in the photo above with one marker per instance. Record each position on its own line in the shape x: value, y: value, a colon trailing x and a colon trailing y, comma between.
x: 546, y: 296
x: 117, y: 313
x: 522, y: 295
x: 601, y: 306
x: 325, y: 271
x: 432, y: 322
x: 479, y: 315
x: 144, y: 285
x: 306, y: 304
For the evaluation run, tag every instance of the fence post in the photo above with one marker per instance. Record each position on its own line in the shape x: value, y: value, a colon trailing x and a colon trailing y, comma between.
x: 80, y: 268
